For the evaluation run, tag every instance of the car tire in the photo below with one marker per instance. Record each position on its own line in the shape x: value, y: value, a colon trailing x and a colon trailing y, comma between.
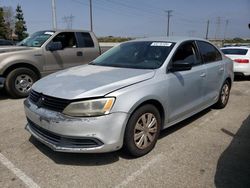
x: 142, y: 130
x: 223, y: 96
x: 19, y: 81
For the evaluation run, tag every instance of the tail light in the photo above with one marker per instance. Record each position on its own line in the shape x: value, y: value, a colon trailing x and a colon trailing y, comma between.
x: 241, y: 60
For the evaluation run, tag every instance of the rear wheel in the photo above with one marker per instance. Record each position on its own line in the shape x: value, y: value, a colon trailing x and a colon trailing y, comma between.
x: 224, y: 95
x: 19, y: 82
x: 142, y: 130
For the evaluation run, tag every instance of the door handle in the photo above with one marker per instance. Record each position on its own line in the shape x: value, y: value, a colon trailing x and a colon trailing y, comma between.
x: 203, y: 75
x: 221, y: 69
x: 79, y: 53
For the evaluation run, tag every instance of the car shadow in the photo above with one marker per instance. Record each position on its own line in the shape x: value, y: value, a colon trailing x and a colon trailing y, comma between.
x: 99, y: 159
x: 3, y: 95
x: 76, y: 159
x: 233, y: 167
x: 183, y: 123
x: 238, y: 78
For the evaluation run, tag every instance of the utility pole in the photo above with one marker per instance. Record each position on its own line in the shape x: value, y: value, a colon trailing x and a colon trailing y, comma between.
x: 169, y: 15
x: 91, y: 17
x: 54, y: 14
x: 225, y: 32
x: 218, y: 23
x: 207, y: 29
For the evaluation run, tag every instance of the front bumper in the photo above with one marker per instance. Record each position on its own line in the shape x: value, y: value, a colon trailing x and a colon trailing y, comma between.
x: 2, y: 80
x: 73, y: 134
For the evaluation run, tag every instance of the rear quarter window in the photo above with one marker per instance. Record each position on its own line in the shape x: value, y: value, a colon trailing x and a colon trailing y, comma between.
x: 234, y: 51
x: 208, y: 52
x: 84, y: 40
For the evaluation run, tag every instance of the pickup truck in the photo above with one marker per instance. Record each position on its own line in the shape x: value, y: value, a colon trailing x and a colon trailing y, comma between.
x: 42, y: 53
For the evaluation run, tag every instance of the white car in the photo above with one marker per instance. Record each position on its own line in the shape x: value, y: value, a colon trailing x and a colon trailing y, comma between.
x: 241, y: 58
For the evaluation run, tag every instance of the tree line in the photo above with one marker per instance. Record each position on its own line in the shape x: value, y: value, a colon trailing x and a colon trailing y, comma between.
x: 12, y: 25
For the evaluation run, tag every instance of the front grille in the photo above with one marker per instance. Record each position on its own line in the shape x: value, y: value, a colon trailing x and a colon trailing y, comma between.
x: 51, y: 103
x: 63, y: 141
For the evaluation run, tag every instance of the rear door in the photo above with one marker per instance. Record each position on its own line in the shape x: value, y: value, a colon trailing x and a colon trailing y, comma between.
x: 86, y: 50
x: 215, y: 70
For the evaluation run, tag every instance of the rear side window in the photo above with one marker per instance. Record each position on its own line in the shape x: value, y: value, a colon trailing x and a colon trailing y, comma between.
x: 234, y: 51
x: 208, y: 52
x: 84, y: 40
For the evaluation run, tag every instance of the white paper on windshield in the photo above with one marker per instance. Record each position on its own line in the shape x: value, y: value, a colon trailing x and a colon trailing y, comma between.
x: 49, y: 33
x: 161, y: 44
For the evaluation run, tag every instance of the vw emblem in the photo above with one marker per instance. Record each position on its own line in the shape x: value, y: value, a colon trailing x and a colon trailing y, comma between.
x: 40, y: 102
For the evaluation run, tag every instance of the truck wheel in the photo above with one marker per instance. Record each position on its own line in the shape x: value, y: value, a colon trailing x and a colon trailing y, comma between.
x: 19, y: 81
x: 142, y: 131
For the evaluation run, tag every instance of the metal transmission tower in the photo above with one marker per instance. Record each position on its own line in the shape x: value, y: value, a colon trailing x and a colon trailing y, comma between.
x: 169, y: 15
x: 53, y: 3
x: 69, y: 21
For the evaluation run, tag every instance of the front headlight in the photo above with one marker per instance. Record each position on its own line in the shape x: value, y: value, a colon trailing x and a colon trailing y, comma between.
x: 94, y: 107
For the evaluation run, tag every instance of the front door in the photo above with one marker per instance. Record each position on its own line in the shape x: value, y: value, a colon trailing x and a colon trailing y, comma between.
x: 69, y: 56
x: 185, y: 90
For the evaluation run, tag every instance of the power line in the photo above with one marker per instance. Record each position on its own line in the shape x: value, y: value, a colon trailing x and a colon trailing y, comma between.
x: 133, y: 7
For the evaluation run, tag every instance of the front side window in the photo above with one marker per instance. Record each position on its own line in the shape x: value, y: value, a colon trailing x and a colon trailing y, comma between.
x: 67, y: 39
x: 208, y: 52
x: 139, y: 55
x: 186, y: 53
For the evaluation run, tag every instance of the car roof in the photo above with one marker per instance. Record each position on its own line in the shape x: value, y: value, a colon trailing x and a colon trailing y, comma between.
x: 175, y: 39
x: 64, y: 30
x: 236, y: 47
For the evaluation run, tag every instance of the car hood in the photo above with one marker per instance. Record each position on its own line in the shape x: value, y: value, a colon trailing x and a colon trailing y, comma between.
x: 4, y: 49
x: 89, y: 81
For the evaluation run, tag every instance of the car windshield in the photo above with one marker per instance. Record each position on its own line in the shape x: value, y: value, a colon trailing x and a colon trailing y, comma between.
x: 36, y: 39
x: 139, y: 55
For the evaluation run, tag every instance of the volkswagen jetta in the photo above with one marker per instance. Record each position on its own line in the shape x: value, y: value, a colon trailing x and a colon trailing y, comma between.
x: 127, y: 95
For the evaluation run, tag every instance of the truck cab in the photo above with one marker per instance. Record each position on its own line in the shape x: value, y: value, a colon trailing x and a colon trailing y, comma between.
x: 42, y: 53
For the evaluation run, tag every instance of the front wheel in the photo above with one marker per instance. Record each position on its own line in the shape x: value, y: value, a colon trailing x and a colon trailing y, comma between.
x: 142, y: 130
x: 19, y: 81
x: 224, y: 95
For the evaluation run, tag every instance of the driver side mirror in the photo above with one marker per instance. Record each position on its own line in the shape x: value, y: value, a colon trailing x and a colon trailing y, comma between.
x: 180, y: 66
x: 54, y: 46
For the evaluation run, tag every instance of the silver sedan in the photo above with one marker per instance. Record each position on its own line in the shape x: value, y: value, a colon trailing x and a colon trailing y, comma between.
x: 127, y: 95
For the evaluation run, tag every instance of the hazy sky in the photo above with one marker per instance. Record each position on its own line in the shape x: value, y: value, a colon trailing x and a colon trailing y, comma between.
x: 138, y: 18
